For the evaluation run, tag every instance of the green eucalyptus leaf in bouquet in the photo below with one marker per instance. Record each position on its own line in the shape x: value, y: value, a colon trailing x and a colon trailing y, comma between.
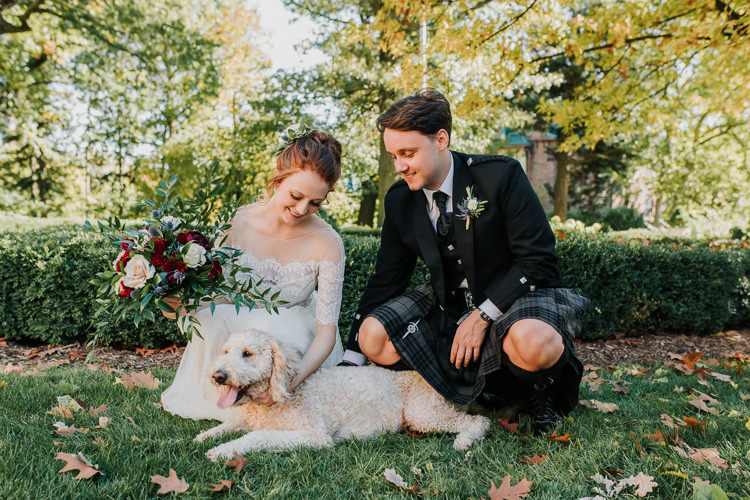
x: 179, y: 251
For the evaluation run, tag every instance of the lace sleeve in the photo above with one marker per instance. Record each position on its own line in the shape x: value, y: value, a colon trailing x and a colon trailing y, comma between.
x: 330, y: 283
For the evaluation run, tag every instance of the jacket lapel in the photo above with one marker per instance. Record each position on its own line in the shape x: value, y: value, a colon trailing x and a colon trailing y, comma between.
x: 464, y: 237
x: 428, y: 244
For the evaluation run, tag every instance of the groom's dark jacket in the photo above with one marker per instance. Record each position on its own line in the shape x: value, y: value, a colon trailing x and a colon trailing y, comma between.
x: 507, y: 250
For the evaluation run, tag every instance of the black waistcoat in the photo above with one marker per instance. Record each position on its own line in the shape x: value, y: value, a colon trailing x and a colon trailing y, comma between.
x: 452, y: 270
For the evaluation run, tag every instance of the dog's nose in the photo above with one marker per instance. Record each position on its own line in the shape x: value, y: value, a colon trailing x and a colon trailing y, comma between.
x: 220, y: 377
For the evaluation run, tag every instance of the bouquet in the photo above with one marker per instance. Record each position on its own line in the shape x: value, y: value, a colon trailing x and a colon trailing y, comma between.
x: 178, y: 251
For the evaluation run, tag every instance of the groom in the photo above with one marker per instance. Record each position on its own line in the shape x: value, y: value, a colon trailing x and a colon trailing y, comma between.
x: 494, y: 317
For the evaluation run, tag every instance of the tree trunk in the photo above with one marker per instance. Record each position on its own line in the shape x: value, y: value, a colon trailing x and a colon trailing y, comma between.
x: 386, y: 177
x: 366, y: 215
x: 562, y: 183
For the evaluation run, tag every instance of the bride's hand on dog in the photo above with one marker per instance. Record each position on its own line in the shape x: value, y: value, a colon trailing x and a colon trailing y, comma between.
x: 467, y: 343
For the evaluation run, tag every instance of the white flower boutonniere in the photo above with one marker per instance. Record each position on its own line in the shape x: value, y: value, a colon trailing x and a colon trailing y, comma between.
x: 471, y: 207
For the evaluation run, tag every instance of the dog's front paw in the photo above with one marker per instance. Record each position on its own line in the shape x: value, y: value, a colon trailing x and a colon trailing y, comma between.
x: 201, y: 437
x: 219, y: 452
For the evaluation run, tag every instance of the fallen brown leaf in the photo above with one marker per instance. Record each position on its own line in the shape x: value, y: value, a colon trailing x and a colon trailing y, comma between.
x: 508, y: 492
x: 103, y: 422
x: 511, y: 428
x: 170, y: 484
x: 700, y: 401
x: 710, y: 454
x: 593, y: 381
x: 80, y: 463
x: 140, y: 379
x: 64, y: 430
x: 599, y: 405
x: 225, y: 484
x: 73, y: 355
x: 667, y: 420
x: 642, y: 483
x: 96, y: 411
x: 536, y: 459
x: 620, y: 388
x: 238, y: 462
x: 100, y: 442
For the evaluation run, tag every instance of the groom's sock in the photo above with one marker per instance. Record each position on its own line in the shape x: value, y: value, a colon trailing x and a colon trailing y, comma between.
x: 398, y: 366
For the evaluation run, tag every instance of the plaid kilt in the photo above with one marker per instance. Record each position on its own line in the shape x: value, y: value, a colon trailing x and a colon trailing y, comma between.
x: 422, y: 333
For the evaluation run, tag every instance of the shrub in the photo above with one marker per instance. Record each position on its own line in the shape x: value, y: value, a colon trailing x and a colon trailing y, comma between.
x: 635, y: 285
x: 45, y: 294
x: 611, y: 219
x: 638, y: 284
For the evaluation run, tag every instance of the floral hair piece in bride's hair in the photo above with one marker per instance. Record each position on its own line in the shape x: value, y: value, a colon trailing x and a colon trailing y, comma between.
x: 290, y: 135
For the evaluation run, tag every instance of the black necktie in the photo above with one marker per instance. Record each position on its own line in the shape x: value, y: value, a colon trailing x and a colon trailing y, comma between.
x: 444, y: 220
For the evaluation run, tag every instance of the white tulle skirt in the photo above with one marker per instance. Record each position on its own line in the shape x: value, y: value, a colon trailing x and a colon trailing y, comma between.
x: 192, y: 395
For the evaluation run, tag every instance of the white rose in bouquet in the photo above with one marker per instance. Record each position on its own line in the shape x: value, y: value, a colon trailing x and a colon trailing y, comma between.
x: 195, y: 255
x: 137, y: 272
x: 472, y: 204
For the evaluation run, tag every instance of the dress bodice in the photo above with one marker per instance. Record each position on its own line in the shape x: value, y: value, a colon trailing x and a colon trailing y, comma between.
x: 295, y: 267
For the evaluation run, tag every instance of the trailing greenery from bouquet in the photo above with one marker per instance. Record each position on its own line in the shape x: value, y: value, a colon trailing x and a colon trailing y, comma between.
x: 179, y: 251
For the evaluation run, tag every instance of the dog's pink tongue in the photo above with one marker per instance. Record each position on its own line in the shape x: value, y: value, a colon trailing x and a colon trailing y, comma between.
x: 228, y: 397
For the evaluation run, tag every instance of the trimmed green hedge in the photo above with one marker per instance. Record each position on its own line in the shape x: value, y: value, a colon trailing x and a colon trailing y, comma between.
x: 45, y: 295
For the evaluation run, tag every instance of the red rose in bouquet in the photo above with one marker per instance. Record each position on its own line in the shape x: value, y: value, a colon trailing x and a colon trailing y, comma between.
x: 177, y: 252
x: 196, y: 237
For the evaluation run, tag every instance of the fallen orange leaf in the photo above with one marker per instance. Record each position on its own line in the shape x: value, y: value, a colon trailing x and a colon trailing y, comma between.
x: 511, y: 428
x: 565, y: 438
x: 172, y: 348
x: 693, y: 422
x: 145, y: 352
x: 508, y: 492
x: 656, y: 437
x: 170, y: 484
x: 225, y: 484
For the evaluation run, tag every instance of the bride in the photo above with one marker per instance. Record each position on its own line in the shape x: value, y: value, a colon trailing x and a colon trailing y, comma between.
x: 286, y: 243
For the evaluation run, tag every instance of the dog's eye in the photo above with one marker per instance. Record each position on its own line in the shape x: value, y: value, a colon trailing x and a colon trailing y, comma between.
x: 247, y: 354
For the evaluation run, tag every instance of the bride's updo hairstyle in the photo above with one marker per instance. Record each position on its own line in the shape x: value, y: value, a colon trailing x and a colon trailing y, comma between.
x: 317, y: 152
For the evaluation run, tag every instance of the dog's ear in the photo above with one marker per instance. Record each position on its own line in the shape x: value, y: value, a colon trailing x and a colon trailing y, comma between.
x: 279, y: 373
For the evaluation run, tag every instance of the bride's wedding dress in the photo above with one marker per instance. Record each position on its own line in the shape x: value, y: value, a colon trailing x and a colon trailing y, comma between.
x: 291, y: 266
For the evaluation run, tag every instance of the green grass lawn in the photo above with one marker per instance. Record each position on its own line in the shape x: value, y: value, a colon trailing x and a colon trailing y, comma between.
x: 612, y: 444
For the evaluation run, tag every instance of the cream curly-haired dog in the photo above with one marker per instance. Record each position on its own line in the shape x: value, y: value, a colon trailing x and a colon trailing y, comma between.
x: 331, y: 405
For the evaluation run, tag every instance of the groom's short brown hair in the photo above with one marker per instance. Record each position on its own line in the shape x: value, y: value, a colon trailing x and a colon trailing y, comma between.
x: 427, y: 111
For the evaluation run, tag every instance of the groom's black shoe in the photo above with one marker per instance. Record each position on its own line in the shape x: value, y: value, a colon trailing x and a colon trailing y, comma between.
x: 543, y: 409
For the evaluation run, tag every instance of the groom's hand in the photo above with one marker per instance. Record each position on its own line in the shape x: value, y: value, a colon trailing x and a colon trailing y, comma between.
x: 467, y: 343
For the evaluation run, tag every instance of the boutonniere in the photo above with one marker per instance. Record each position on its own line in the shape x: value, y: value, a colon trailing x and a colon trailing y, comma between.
x: 471, y: 207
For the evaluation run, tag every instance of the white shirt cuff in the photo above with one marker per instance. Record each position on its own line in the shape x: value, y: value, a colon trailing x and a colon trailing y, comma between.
x: 490, y: 309
x: 355, y: 357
